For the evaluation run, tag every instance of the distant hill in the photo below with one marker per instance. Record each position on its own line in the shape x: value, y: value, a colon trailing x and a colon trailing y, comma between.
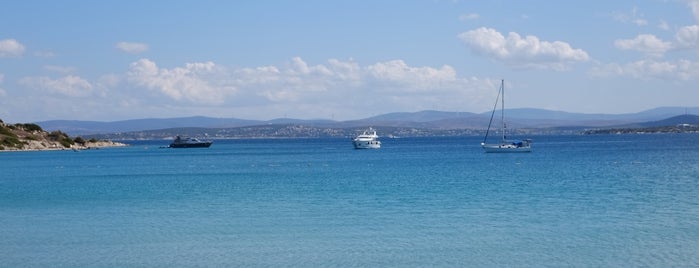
x: 308, y: 131
x: 687, y: 123
x: 422, y: 116
x: 686, y: 119
x: 75, y: 127
x: 516, y: 118
x: 648, y: 115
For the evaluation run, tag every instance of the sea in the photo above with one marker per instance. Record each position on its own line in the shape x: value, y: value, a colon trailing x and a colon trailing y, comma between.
x: 575, y: 201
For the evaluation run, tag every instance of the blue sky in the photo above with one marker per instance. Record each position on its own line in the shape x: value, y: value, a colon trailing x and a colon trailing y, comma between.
x: 342, y: 60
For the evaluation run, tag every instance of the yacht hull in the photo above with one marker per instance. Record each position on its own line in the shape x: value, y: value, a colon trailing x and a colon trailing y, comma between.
x: 367, y: 144
x: 191, y: 145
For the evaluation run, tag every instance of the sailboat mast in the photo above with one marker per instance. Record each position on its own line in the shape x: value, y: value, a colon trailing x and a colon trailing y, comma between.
x: 502, y: 113
x: 492, y: 115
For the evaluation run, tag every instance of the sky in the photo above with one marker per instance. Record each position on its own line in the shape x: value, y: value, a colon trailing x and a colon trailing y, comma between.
x: 342, y: 60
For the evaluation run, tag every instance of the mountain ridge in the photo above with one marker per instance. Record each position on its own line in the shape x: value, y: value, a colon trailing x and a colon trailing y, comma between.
x: 428, y: 119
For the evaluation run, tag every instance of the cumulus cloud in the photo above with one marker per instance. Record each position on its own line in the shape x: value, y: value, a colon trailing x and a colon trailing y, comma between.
x: 298, y: 80
x: 130, y: 47
x: 11, y: 48
x: 336, y: 86
x: 301, y: 81
x: 688, y: 37
x: 646, y: 43
x: 398, y: 74
x: 70, y: 85
x: 521, y: 51
x: 295, y: 87
x: 195, y: 82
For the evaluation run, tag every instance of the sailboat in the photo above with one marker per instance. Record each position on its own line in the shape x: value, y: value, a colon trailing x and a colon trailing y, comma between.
x: 505, y: 146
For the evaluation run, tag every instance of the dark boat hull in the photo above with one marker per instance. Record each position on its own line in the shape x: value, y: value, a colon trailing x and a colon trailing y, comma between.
x: 191, y: 145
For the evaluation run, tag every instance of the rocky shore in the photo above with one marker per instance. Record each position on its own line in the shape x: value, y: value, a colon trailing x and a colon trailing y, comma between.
x: 30, y: 137
x: 33, y: 145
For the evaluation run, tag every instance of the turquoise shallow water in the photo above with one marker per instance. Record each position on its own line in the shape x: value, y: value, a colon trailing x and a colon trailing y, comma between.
x: 585, y: 201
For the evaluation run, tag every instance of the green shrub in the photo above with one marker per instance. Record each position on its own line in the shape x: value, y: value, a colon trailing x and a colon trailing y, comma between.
x: 30, y: 127
x: 57, y: 135
x: 79, y: 140
x: 6, y: 131
x: 61, y: 138
x: 66, y: 142
x: 11, y: 142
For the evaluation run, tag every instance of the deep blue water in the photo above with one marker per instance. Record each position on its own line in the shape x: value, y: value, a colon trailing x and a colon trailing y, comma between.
x: 584, y: 201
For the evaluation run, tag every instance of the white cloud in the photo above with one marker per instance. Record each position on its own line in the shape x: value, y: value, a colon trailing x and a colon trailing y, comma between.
x: 70, y: 85
x: 130, y: 47
x: 522, y: 52
x: 11, y: 48
x: 397, y: 74
x: 196, y: 82
x: 296, y: 88
x: 646, y: 43
x: 688, y: 37
x: 648, y: 69
x: 299, y: 81
x: 319, y: 90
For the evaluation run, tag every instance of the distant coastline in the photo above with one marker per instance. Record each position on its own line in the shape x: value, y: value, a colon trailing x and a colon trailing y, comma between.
x: 422, y: 124
x: 646, y: 130
x: 401, y: 124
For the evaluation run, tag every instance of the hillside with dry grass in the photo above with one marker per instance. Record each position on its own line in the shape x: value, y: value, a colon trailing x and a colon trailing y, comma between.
x: 16, y: 137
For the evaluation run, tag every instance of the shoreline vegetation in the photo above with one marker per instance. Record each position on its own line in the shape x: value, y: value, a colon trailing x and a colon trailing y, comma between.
x: 685, y: 128
x: 31, y: 137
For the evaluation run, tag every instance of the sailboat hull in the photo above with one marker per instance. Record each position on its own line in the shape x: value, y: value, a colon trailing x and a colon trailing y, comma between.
x: 505, y: 148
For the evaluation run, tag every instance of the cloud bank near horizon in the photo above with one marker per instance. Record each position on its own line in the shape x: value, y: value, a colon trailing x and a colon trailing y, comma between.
x: 335, y: 88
